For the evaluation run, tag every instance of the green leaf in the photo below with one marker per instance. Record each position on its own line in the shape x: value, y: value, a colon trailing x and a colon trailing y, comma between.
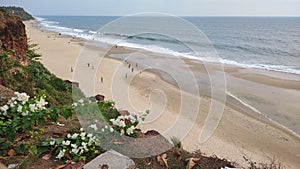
x: 41, y: 121
x: 21, y: 150
x: 67, y: 113
x: 4, y: 145
x: 54, y: 115
x: 26, y: 125
x: 11, y: 135
x: 44, y: 143
x: 33, y: 150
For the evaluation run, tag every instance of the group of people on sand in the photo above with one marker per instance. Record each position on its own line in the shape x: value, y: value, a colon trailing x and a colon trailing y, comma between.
x: 132, y: 67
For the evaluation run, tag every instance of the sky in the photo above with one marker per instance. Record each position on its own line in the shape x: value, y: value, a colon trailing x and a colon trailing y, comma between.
x: 174, y: 7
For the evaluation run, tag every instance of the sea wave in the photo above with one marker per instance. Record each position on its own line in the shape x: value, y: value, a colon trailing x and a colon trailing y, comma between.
x: 125, y: 40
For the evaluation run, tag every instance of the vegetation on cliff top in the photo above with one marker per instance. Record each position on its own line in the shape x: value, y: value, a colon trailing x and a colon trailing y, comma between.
x: 16, y: 11
x: 33, y: 78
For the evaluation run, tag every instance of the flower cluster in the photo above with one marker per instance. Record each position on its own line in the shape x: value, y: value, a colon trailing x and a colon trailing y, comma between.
x: 80, y: 102
x: 21, y: 104
x: 77, y: 145
x: 22, y: 113
x: 126, y: 124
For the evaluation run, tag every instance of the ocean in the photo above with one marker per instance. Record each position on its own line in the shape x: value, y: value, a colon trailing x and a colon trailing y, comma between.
x: 271, y: 43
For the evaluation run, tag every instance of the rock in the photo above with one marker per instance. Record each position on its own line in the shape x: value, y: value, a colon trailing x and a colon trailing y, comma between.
x: 5, y: 93
x: 12, y: 166
x: 151, y: 133
x: 99, y: 97
x: 124, y: 112
x: 72, y: 83
x: 112, y: 160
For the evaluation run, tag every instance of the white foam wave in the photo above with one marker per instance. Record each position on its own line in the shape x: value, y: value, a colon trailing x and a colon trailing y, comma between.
x: 78, y: 30
x: 93, y: 32
x: 205, y: 57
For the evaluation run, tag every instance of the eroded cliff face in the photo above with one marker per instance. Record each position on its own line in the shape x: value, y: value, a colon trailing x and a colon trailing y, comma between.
x: 13, y: 36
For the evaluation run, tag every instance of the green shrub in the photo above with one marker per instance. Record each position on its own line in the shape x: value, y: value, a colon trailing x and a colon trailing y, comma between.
x: 176, y: 142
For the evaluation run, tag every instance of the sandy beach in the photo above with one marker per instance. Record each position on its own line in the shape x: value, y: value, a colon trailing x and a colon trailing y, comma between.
x: 241, y: 131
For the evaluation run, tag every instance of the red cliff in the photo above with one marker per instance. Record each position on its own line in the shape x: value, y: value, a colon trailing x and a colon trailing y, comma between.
x: 13, y: 35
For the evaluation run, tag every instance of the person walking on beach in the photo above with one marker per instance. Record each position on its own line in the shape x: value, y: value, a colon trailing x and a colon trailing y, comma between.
x: 101, y: 79
x: 88, y: 64
x: 71, y: 69
x: 126, y: 75
x: 132, y: 70
x: 129, y: 66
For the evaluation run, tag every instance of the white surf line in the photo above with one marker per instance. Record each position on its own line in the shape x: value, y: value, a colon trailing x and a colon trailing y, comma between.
x: 244, y: 103
x: 257, y: 111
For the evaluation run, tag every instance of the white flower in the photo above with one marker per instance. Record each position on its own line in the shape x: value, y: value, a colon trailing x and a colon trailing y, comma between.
x: 41, y: 103
x: 122, y: 132
x: 11, y: 105
x: 82, y: 134
x: 74, y: 145
x: 52, y: 142
x: 84, y: 145
x: 132, y: 119
x: 106, y: 127
x: 122, y: 124
x: 74, y: 136
x: 80, y: 101
x: 4, y: 108
x: 23, y: 97
x: 111, y: 129
x: 130, y: 130
x: 66, y: 143
x: 90, y: 135
x: 69, y: 135
x: 19, y: 109
x: 113, y: 121
x: 74, y: 104
x: 75, y: 150
x: 93, y: 126
x: 103, y: 130
x: 81, y: 150
x: 81, y: 129
x: 96, y: 121
x: 25, y: 113
x: 61, y: 154
x: 32, y: 107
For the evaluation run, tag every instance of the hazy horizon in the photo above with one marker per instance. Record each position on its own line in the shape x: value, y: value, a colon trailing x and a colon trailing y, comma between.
x: 214, y: 8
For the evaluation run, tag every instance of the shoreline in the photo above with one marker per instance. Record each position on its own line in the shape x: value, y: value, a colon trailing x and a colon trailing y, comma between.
x: 218, y: 139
